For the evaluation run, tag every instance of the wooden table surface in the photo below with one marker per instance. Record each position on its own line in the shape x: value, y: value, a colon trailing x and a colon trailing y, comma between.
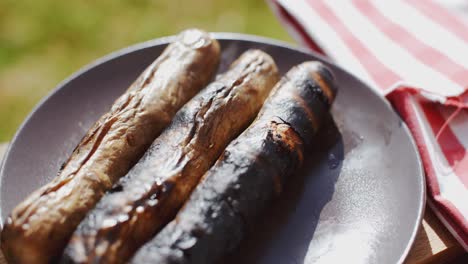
x: 434, y: 244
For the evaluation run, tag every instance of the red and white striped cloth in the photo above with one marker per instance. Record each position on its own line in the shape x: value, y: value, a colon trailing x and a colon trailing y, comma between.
x: 416, y: 54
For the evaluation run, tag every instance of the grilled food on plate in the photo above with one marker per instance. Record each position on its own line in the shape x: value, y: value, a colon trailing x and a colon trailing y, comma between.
x: 39, y: 227
x: 149, y: 196
x: 251, y: 171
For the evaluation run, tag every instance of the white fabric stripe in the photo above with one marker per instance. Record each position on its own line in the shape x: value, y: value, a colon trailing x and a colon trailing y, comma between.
x: 389, y: 53
x: 326, y: 38
x: 458, y: 124
x: 450, y: 186
x: 424, y: 29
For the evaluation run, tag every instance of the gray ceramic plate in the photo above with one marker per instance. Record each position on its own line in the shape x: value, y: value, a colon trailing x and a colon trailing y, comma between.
x: 359, y: 198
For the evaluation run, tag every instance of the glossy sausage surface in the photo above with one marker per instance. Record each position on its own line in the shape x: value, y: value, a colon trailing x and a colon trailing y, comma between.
x: 39, y: 227
x: 252, y: 170
x: 153, y: 191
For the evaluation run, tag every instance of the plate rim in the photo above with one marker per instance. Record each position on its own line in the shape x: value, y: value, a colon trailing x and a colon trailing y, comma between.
x: 243, y: 37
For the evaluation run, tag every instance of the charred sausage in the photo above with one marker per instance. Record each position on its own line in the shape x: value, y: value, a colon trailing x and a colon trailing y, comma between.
x: 153, y: 191
x: 39, y: 227
x: 250, y: 172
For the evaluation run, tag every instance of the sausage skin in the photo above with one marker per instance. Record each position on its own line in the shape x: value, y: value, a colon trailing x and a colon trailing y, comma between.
x: 251, y: 171
x: 149, y: 196
x: 38, y: 229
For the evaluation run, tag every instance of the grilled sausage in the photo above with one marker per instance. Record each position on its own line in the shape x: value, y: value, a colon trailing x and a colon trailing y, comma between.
x: 152, y: 192
x: 250, y: 172
x: 39, y: 228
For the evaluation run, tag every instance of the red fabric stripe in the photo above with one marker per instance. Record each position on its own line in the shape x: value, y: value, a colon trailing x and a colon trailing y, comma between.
x: 453, y: 150
x: 379, y: 72
x: 441, y: 16
x: 420, y: 50
x: 453, y: 217
x: 461, y: 169
x: 298, y: 27
x: 447, y: 213
x: 464, y: 98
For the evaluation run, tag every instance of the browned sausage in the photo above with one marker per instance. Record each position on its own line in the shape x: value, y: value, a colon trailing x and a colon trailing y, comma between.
x: 253, y: 168
x: 152, y: 192
x: 39, y: 228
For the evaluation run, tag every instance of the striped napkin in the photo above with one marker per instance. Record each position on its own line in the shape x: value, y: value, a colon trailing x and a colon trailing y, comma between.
x: 416, y: 54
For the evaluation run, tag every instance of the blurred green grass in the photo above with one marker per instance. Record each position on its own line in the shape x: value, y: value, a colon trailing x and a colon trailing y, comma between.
x: 42, y: 42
